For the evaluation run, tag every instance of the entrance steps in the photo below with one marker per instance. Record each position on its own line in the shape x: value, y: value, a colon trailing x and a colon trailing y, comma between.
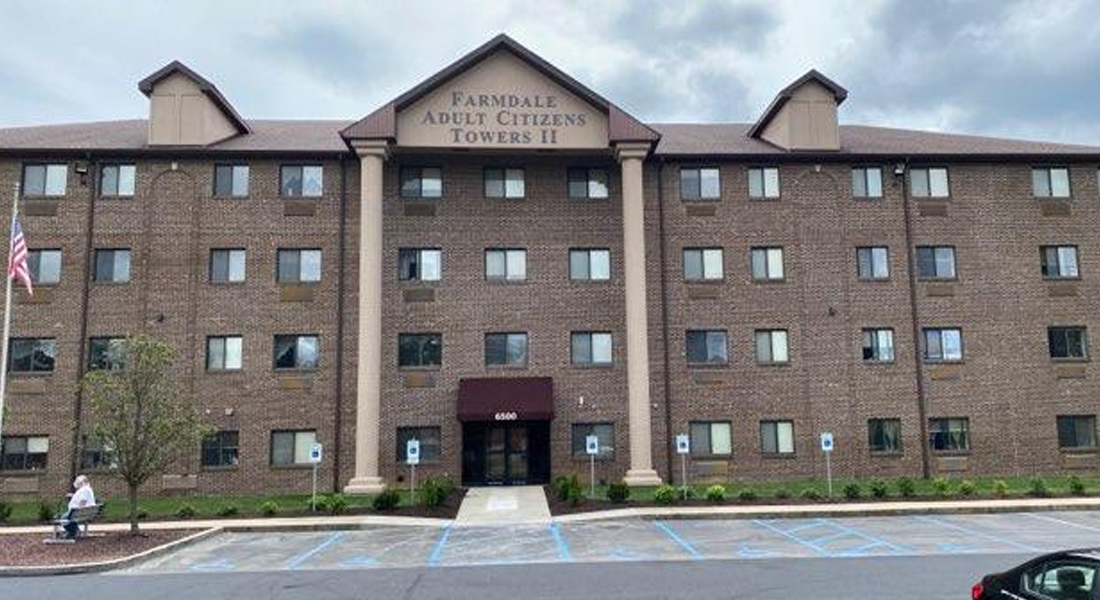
x: 510, y: 505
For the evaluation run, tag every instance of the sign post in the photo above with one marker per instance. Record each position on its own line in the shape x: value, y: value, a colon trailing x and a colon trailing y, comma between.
x: 683, y: 447
x: 592, y: 448
x: 316, y: 453
x: 827, y: 448
x: 412, y: 458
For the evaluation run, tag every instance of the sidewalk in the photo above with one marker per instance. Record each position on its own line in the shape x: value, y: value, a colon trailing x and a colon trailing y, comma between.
x: 503, y: 506
x: 318, y: 523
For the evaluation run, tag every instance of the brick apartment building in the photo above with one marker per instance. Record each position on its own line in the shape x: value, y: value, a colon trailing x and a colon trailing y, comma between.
x: 500, y: 262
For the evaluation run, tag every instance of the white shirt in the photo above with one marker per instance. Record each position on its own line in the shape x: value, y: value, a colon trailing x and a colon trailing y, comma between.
x: 82, y: 497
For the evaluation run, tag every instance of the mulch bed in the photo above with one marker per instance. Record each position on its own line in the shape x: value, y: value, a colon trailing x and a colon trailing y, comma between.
x: 28, y: 549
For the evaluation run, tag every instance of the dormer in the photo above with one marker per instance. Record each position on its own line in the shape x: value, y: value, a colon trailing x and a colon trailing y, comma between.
x: 803, y: 115
x: 187, y: 110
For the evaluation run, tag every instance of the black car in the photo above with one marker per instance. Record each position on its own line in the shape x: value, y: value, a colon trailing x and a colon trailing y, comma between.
x: 1068, y: 575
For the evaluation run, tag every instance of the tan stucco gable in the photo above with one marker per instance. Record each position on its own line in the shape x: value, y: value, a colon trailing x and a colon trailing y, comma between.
x: 187, y: 110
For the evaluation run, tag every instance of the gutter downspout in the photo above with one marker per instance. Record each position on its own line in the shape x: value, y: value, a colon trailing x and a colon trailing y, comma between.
x: 78, y: 406
x: 664, y: 316
x: 339, y: 405
x: 922, y: 409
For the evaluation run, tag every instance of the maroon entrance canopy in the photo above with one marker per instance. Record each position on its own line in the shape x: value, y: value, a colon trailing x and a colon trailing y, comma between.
x: 506, y: 399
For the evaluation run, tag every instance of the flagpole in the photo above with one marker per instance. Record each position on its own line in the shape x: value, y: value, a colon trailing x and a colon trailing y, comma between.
x: 7, y: 312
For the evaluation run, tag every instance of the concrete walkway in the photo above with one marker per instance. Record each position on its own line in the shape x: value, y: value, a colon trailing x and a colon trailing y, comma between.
x: 503, y: 506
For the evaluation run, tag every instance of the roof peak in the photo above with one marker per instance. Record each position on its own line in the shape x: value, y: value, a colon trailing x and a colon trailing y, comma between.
x: 146, y: 85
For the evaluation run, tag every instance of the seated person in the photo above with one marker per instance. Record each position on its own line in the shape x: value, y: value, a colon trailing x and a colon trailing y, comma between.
x: 1071, y: 584
x: 82, y: 497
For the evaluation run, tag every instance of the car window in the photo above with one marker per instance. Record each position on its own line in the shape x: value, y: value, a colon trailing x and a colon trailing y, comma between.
x: 1064, y: 580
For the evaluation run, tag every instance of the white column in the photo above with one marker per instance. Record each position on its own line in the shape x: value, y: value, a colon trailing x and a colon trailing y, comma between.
x: 369, y: 368
x: 641, y: 472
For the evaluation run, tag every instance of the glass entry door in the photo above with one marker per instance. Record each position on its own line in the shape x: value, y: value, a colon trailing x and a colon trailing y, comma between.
x: 506, y: 454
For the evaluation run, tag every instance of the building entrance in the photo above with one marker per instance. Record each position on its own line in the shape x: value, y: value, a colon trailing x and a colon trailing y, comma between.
x: 512, y: 453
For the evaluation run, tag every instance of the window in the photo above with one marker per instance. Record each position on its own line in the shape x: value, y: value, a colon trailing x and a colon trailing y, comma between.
x: 222, y: 449
x: 227, y: 265
x: 878, y: 345
x: 45, y: 180
x: 777, y: 437
x: 117, y: 180
x: 928, y: 183
x: 95, y: 455
x: 231, y: 181
x: 711, y: 438
x: 884, y: 435
x: 943, y: 345
x: 224, y: 353
x: 504, y: 183
x: 106, y: 353
x: 297, y: 352
x: 767, y: 264
x: 700, y: 184
x: 418, y: 350
x: 24, y: 453
x: 588, y: 184
x: 506, y: 349
x: 1061, y: 580
x: 590, y: 348
x: 935, y: 262
x: 949, y: 435
x: 1077, y: 431
x: 289, y: 448
x: 703, y: 264
x: 590, y: 264
x: 506, y: 265
x: 771, y: 347
x: 1068, y: 343
x: 31, y: 355
x: 299, y: 266
x: 305, y: 181
x: 421, y: 183
x: 1050, y: 183
x: 764, y: 183
x: 429, y: 438
x: 112, y: 266
x: 866, y: 182
x: 419, y: 264
x: 44, y: 266
x: 873, y: 262
x: 1059, y: 262
x: 605, y: 435
x: 706, y: 347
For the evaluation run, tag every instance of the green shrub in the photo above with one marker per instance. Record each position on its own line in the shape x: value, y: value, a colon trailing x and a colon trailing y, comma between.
x: 45, y: 512
x: 666, y: 495
x: 716, y: 493
x: 1000, y: 488
x: 337, y: 504
x: 568, y: 488
x: 5, y: 511
x: 746, y: 495
x: 435, y: 491
x: 811, y: 494
x: 318, y: 504
x: 782, y: 493
x: 879, y: 489
x: 685, y: 492
x: 186, y: 511
x: 269, y: 508
x: 228, y: 510
x: 618, y: 492
x: 852, y: 491
x: 941, y: 486
x: 142, y: 515
x: 386, y: 500
x: 967, y: 487
x: 907, y: 487
x: 1076, y: 486
x: 1039, y: 488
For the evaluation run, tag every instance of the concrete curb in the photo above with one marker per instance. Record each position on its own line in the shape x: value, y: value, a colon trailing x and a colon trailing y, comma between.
x: 108, y: 565
x: 258, y: 524
x: 867, y: 509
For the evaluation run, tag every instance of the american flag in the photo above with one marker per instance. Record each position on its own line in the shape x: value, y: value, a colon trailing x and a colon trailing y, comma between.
x: 17, y: 265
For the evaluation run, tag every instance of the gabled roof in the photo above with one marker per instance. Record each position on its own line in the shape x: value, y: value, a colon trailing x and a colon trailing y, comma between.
x: 785, y: 94
x: 382, y: 123
x: 146, y: 87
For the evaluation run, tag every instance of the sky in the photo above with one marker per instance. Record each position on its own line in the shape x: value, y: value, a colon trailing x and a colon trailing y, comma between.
x: 1011, y: 68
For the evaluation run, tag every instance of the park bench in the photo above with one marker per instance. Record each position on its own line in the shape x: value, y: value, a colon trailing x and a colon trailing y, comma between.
x: 82, y: 516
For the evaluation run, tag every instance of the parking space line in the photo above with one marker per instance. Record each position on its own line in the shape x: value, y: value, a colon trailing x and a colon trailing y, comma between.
x: 1067, y: 523
x: 302, y: 558
x: 829, y: 538
x: 437, y: 550
x: 966, y: 530
x: 559, y: 540
x: 691, y: 550
x: 791, y: 536
x: 864, y: 535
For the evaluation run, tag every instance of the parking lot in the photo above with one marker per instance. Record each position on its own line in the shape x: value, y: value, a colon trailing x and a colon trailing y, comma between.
x: 634, y: 540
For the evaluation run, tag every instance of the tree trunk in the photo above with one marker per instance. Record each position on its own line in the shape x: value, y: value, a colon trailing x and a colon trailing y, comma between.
x: 133, y: 496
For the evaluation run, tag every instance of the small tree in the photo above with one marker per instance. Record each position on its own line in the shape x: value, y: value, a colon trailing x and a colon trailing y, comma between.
x: 139, y: 414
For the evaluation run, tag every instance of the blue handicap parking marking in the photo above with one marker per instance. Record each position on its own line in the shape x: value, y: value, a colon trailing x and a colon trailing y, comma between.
x: 684, y: 544
x: 748, y: 552
x: 559, y: 541
x: 628, y: 554
x: 301, y: 559
x: 437, y: 550
x: 832, y: 539
x: 363, y: 560
x: 952, y: 548
x: 972, y: 532
x: 222, y: 564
